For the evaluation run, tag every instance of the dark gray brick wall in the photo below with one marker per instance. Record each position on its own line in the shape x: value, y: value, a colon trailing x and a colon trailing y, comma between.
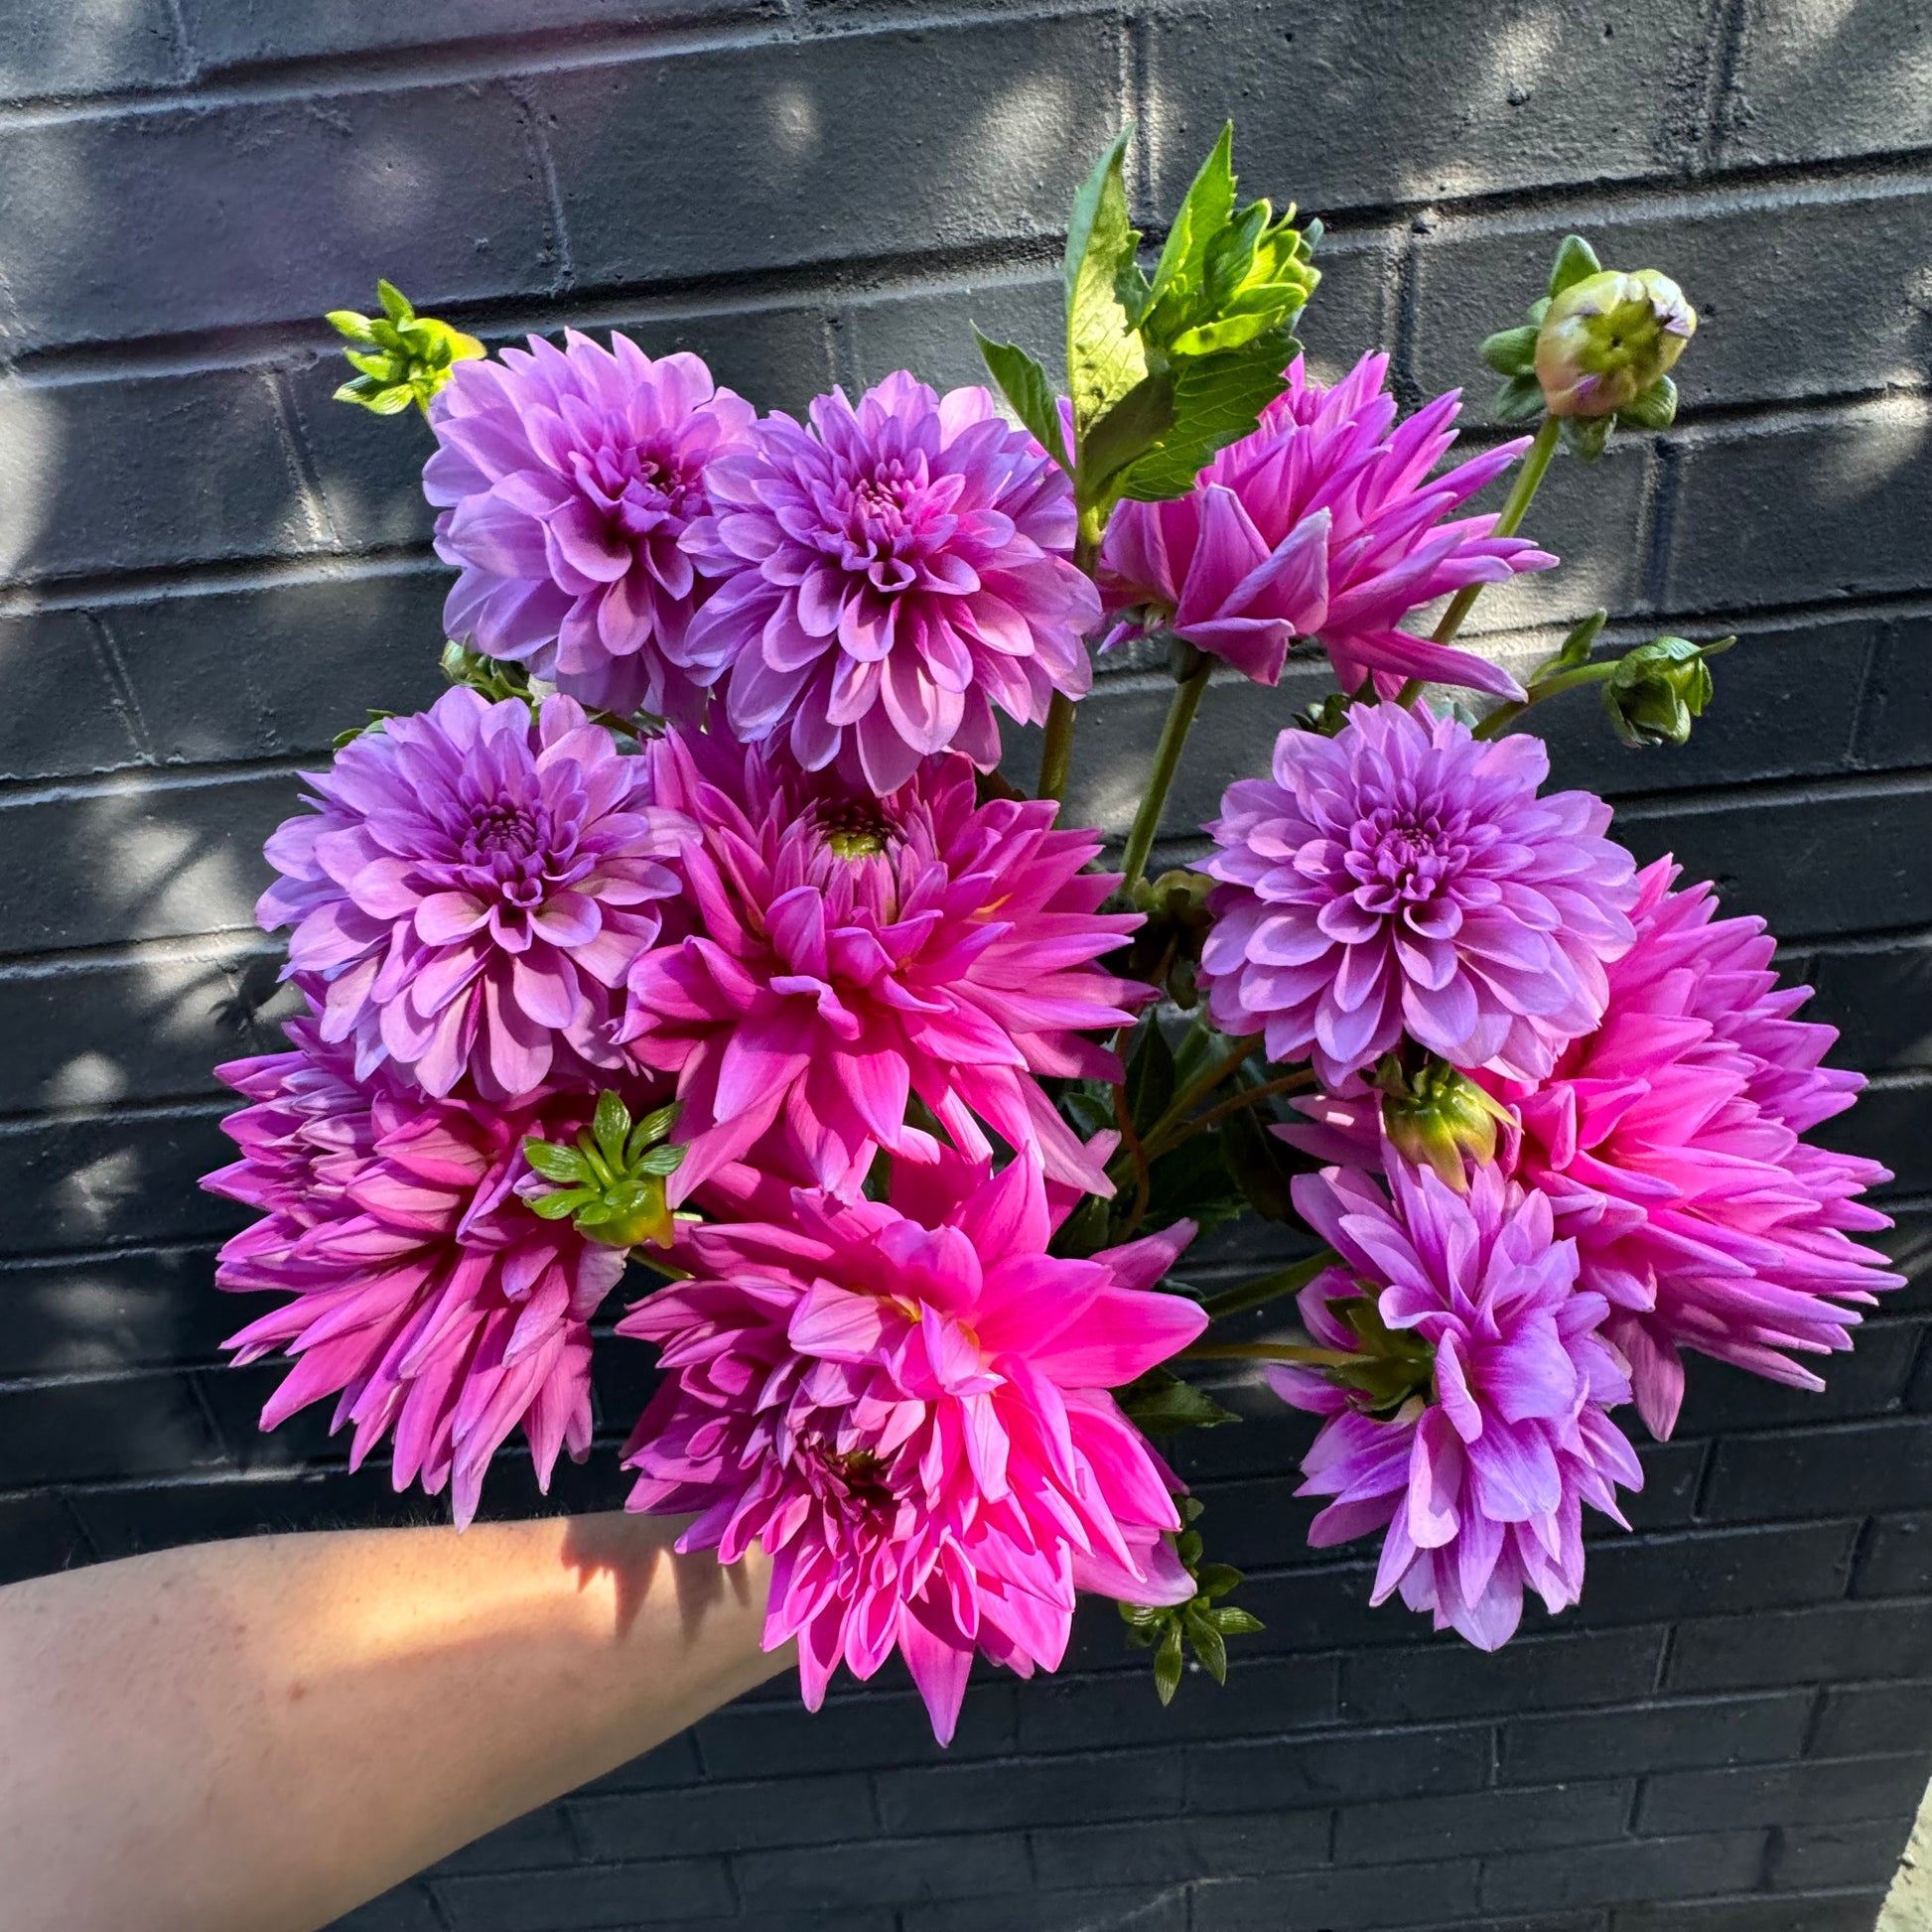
x: 207, y: 570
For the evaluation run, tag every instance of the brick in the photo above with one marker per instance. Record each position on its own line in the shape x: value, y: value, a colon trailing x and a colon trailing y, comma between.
x: 203, y: 200
x: 1781, y: 112
x: 1880, y: 998
x: 280, y: 670
x: 1816, y: 1912
x: 1830, y: 249
x: 1631, y: 1872
x: 1358, y: 1901
x: 1816, y: 1792
x: 1634, y: 1578
x: 726, y: 1818
x: 1907, y: 1244
x: 1857, y: 1851
x: 112, y: 1312
x: 63, y: 1432
x: 1549, y: 97
x: 407, y: 1908
x: 1824, y: 1645
x: 751, y: 1739
x: 1813, y: 860
x: 1265, y: 1694
x: 63, y: 715
x: 1872, y: 1466
x: 916, y: 1872
x: 1895, y: 1559
x: 1107, y: 1908
x: 757, y: 156
x: 674, y: 1762
x: 1871, y: 1720
x: 137, y: 475
x: 1891, y: 1125
x: 55, y: 50
x: 38, y: 1535
x: 1736, y: 1730
x: 1239, y: 1776
x: 1672, y: 1472
x: 1042, y: 1791
x: 1173, y: 1849
x: 613, y: 1895
x: 1442, y: 1680
x: 97, y: 1031
x: 538, y: 1838
x: 125, y: 1518
x: 1782, y: 511
x: 930, y: 329
x: 1482, y: 1822
x: 1896, y: 727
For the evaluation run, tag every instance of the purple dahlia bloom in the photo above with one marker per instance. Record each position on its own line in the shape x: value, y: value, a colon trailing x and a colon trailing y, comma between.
x: 895, y: 572
x: 471, y: 890
x: 1480, y: 1475
x: 566, y: 479
x: 426, y: 1295
x: 1401, y: 877
x: 834, y: 955
x: 1327, y: 521
x: 1668, y: 1141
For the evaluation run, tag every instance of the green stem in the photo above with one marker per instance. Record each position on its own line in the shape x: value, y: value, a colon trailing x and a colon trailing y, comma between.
x: 1190, y: 682
x: 1267, y: 1288
x: 1528, y: 480
x: 1202, y: 1083
x: 1247, y: 1097
x: 1057, y: 755
x: 1505, y: 715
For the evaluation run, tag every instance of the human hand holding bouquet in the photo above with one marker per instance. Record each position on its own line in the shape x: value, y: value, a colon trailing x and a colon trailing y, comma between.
x: 697, y: 921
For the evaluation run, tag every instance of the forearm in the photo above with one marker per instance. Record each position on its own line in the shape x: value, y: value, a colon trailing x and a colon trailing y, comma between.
x: 256, y: 1737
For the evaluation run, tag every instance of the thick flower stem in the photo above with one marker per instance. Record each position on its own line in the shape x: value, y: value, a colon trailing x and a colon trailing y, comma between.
x: 1057, y: 756
x: 1267, y: 1288
x: 1191, y: 674
x: 1528, y: 480
x: 1505, y: 715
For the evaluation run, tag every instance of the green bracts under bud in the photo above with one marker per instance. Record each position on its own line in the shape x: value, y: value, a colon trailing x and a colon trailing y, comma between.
x: 1606, y: 341
x: 400, y: 357
x: 1201, y: 1625
x: 611, y: 1183
x: 1439, y: 1117
x: 1658, y: 689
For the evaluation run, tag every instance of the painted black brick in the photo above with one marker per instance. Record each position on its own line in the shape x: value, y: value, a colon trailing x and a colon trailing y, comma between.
x: 1838, y: 1911
x: 1829, y: 1645
x: 1871, y: 1720
x: 55, y: 50
x: 409, y: 1909
x: 1839, y: 1852
x: 101, y: 1312
x: 1870, y: 1465
x: 1340, y: 1901
x: 1629, y: 1872
x: 1114, y: 1907
x: 131, y: 1424
x: 1897, y: 724
x: 747, y: 1740
x: 1731, y: 1731
x: 537, y: 1840
x: 1240, y: 1775
x: 1817, y: 1792
x: 1880, y: 997
x: 1046, y: 1791
x: 63, y: 715
x: 1737, y: 1569
x: 1271, y: 1695
x: 38, y: 1535
x: 670, y: 1889
x: 1484, y: 1822
x: 828, y: 1808
x: 912, y: 1871
x: 1444, y: 1679
x: 1168, y: 1850
x: 1896, y: 1557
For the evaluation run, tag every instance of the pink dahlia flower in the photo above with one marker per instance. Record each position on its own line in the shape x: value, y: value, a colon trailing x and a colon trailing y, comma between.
x: 1480, y: 1475
x: 471, y: 890
x: 425, y: 1294
x: 1324, y: 521
x: 913, y: 1421
x: 1668, y: 1142
x: 845, y: 953
x: 895, y: 572
x: 566, y: 479
x: 1406, y: 877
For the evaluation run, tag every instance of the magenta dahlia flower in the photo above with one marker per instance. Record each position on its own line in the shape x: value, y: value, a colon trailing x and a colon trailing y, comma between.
x: 1324, y: 521
x: 425, y: 1294
x: 845, y: 953
x: 895, y: 572
x: 471, y: 890
x: 1668, y: 1142
x: 566, y: 479
x: 1406, y: 877
x: 913, y: 1421
x: 1479, y: 1475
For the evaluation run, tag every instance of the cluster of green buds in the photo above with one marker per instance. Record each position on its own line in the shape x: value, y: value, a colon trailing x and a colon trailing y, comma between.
x: 612, y: 1184
x: 400, y: 356
x: 1165, y: 951
x: 1597, y: 351
x: 1655, y: 691
x: 1437, y: 1118
x: 1201, y: 1624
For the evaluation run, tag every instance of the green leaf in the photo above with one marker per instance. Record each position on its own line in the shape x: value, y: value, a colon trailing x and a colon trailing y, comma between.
x: 1217, y: 1578
x: 1126, y: 433
x: 1233, y: 1621
x: 395, y: 305
x: 611, y: 1125
x: 1575, y: 649
x: 554, y: 1207
x: 658, y: 1122
x: 1025, y: 385
x: 1149, y: 1075
x: 1652, y: 409
x: 555, y: 1162
x: 1104, y: 355
x: 1206, y: 211
x: 661, y: 1160
x: 1217, y: 400
x: 1511, y: 351
x: 1584, y: 435
x: 346, y: 321
x: 1167, y: 1665
x: 1159, y: 1402
x: 1575, y: 261
x: 1519, y: 399
x: 1263, y: 1167
x: 385, y: 402
x: 1208, y: 1646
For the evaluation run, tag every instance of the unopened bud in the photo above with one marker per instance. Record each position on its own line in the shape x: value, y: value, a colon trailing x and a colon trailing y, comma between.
x: 611, y: 1183
x: 1609, y: 338
x: 1658, y: 689
x: 1437, y: 1118
x: 1175, y: 921
x: 400, y: 357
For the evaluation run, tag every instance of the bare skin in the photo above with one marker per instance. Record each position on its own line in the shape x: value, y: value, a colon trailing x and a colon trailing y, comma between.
x: 256, y: 1737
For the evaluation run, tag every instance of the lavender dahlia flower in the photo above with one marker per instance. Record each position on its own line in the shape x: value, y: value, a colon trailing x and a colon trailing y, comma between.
x: 909, y: 1413
x: 895, y: 572
x: 1668, y: 1142
x: 1481, y: 1471
x: 425, y: 1294
x: 471, y: 890
x: 1324, y: 521
x: 845, y: 953
x: 1406, y: 877
x: 566, y: 479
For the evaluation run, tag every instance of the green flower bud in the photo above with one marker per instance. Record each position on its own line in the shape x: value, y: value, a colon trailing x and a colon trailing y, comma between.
x: 400, y: 357
x: 1201, y: 1624
x: 1607, y: 340
x: 1439, y: 1117
x: 1656, y: 690
x: 1175, y: 921
x: 611, y: 1183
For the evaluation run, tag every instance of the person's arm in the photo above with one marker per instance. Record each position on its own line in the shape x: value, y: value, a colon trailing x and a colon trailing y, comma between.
x: 256, y: 1737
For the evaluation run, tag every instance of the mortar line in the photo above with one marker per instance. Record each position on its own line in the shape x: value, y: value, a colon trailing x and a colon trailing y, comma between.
x: 120, y: 686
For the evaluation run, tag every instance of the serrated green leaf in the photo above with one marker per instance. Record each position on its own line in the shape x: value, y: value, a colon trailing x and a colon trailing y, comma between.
x: 1149, y: 1075
x: 1025, y: 385
x: 1217, y: 400
x: 1161, y: 1401
x: 395, y: 305
x: 1105, y: 357
x: 1231, y: 331
x: 1519, y: 399
x: 1203, y: 213
x: 1126, y: 433
x: 1575, y: 261
x: 1167, y: 1665
x: 1653, y: 408
x: 555, y: 1162
x: 1511, y: 351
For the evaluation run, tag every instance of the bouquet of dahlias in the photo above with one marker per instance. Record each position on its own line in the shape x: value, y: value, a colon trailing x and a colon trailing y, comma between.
x: 696, y: 924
